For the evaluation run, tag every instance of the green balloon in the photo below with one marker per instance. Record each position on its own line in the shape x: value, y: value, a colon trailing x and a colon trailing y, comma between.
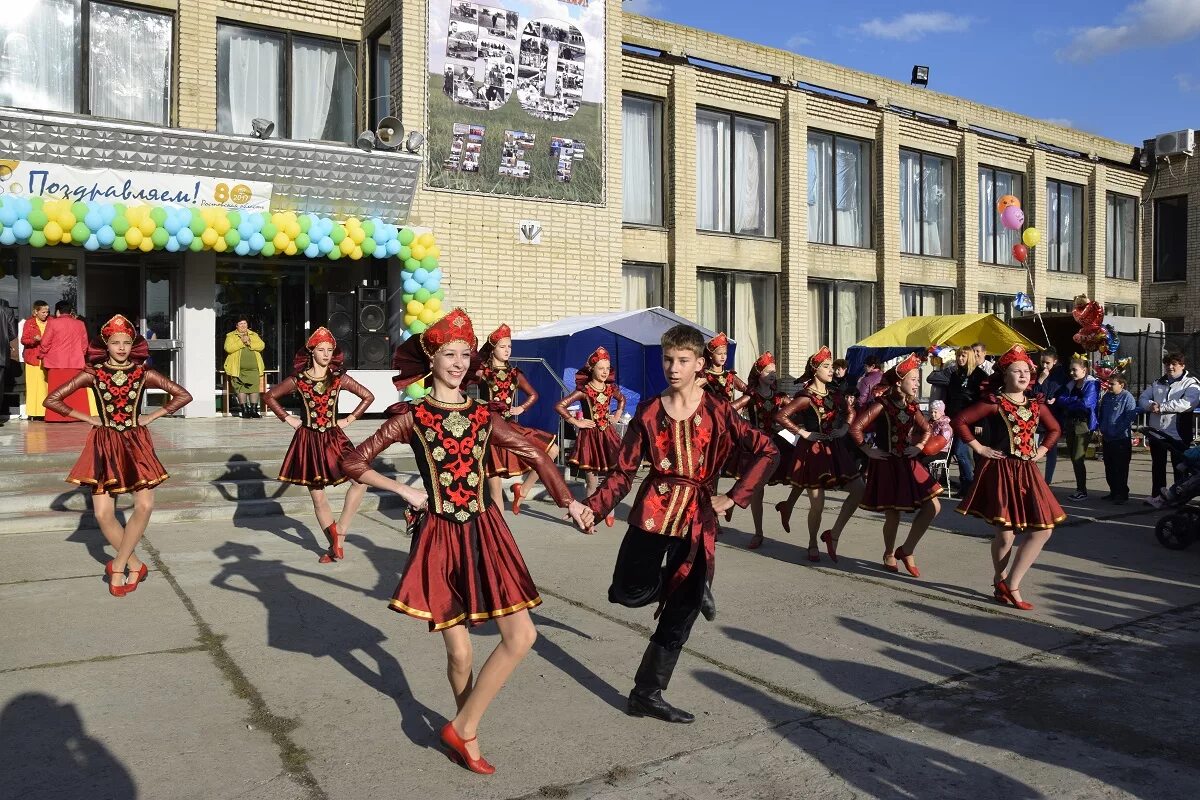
x: 305, y: 222
x: 368, y: 246
x: 197, y: 225
x: 119, y: 209
x: 197, y: 245
x: 232, y: 238
x: 302, y: 242
x: 405, y: 253
x: 234, y: 218
x: 338, y: 233
x: 369, y: 228
x: 79, y: 210
x: 81, y: 232
x: 120, y: 225
x: 335, y: 254
x: 36, y: 202
x: 37, y: 218
x: 440, y: 294
x: 269, y: 231
x: 119, y: 244
x: 407, y: 298
x: 429, y: 262
x: 159, y: 237
x: 38, y: 239
x: 412, y: 265
x: 422, y: 295
x: 268, y: 250
x: 414, y: 391
x: 417, y: 327
x: 406, y: 236
x: 158, y: 214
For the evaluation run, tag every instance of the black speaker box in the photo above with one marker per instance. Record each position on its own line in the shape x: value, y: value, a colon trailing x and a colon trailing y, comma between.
x: 342, y: 321
x: 372, y: 309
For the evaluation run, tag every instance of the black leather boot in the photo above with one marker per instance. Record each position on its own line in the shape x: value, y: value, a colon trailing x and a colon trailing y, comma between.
x: 652, y: 677
x: 708, y: 604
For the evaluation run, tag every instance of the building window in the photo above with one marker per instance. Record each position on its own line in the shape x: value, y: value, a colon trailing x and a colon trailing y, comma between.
x: 1173, y: 325
x: 1055, y: 305
x: 999, y: 304
x: 735, y: 174
x: 1170, y: 238
x: 924, y: 301
x: 926, y: 204
x: 127, y: 69
x: 258, y: 69
x: 641, y: 123
x: 1120, y: 310
x: 380, y: 70
x: 840, y: 314
x: 642, y: 286
x: 1064, y: 204
x: 1121, y: 237
x: 996, y: 241
x: 743, y: 304
x: 839, y: 190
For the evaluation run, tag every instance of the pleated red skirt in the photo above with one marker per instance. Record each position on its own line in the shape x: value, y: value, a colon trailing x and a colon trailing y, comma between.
x: 117, y: 462
x: 464, y: 573
x: 314, y: 458
x: 822, y: 465
x: 1011, y: 493
x: 503, y: 464
x: 898, y: 484
x: 596, y: 450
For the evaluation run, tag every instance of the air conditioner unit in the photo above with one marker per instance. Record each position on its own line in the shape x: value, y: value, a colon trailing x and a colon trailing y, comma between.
x: 1174, y: 144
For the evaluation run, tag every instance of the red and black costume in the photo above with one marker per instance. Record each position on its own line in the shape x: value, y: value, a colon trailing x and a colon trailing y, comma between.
x: 762, y: 411
x: 313, y: 459
x: 897, y: 483
x: 1011, y: 492
x: 826, y: 464
x: 118, y: 456
x: 672, y: 516
x: 721, y: 382
x: 596, y: 449
x: 464, y: 565
x: 498, y: 387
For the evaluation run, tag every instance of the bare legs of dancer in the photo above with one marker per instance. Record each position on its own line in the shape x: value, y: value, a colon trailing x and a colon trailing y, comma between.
x: 124, y: 539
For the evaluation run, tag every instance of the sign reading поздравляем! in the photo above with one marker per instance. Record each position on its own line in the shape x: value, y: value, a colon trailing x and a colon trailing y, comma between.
x: 33, y: 179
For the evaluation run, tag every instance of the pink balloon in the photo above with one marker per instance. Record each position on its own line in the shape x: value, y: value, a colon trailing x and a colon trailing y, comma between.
x: 1013, y: 218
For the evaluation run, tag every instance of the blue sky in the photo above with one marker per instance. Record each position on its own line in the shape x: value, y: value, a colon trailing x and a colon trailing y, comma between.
x: 1125, y: 70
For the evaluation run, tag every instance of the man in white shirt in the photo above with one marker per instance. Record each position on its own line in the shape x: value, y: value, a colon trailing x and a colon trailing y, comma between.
x: 1170, y: 401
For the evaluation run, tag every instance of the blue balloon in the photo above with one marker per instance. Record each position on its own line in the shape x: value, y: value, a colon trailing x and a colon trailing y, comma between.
x: 173, y: 224
x: 92, y: 243
x: 105, y: 235
x: 411, y: 286
x: 324, y: 245
x: 393, y: 247
x: 379, y: 252
x: 380, y: 235
x: 93, y: 221
x: 185, y: 236
x: 172, y: 245
x: 22, y: 229
x: 420, y: 275
x: 257, y: 241
x: 436, y: 273
x: 7, y: 237
x: 312, y: 251
x: 433, y: 284
x: 8, y: 212
x: 107, y: 214
x: 243, y: 248
x: 245, y: 230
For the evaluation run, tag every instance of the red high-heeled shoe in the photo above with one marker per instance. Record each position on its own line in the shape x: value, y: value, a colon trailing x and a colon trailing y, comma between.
x: 114, y: 590
x: 140, y: 576
x: 785, y: 515
x: 890, y: 567
x: 516, y: 490
x: 1002, y: 587
x: 108, y: 569
x: 830, y: 545
x: 999, y: 595
x: 458, y: 751
x: 755, y: 542
x: 335, y: 552
x: 814, y: 554
x: 910, y: 563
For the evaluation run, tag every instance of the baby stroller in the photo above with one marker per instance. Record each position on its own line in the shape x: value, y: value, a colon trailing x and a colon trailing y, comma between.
x: 1178, y: 529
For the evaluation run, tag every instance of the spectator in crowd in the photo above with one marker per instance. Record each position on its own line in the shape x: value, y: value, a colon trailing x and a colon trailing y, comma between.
x: 939, y: 378
x: 1117, y: 410
x: 61, y: 352
x: 35, y: 374
x: 869, y: 380
x: 1051, y: 377
x: 1076, y: 404
x: 963, y: 388
x: 980, y: 350
x: 1170, y: 401
x: 939, y: 423
x: 8, y: 350
x: 840, y: 368
x: 244, y: 366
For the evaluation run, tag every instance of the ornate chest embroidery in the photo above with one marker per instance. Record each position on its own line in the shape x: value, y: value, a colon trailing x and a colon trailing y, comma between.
x: 597, y: 407
x: 1021, y: 423
x: 501, y: 384
x: 720, y: 383
x: 762, y: 410
x: 900, y: 425
x: 825, y: 409
x: 120, y: 393
x: 320, y: 400
x: 454, y: 439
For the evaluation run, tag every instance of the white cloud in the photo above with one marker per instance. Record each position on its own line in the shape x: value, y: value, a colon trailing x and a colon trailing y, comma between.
x: 1187, y: 83
x: 797, y: 42
x: 1145, y: 24
x: 644, y: 7
x: 1066, y: 123
x: 910, y: 27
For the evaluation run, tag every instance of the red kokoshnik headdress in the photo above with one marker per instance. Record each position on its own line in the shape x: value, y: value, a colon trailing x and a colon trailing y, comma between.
x: 412, y: 359
x: 1015, y: 353
x: 97, y: 351
x: 756, y: 371
x: 720, y: 340
x: 321, y: 335
x: 584, y: 375
x: 810, y: 366
x: 894, y: 375
x: 485, y: 352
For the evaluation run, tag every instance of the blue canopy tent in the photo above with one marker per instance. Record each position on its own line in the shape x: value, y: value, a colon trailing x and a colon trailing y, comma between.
x: 631, y: 337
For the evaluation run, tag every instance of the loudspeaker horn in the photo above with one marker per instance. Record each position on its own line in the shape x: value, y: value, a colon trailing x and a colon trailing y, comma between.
x: 390, y: 133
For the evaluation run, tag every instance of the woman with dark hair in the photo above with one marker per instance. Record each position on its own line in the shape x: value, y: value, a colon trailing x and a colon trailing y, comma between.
x: 313, y: 459
x: 244, y: 366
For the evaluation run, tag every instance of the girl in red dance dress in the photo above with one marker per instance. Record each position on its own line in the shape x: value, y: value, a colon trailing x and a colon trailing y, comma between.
x: 722, y: 383
x: 118, y: 456
x: 597, y: 444
x: 896, y: 479
x: 498, y: 386
x: 463, y: 567
x: 313, y: 458
x: 1009, y: 491
x: 762, y: 404
x: 823, y: 459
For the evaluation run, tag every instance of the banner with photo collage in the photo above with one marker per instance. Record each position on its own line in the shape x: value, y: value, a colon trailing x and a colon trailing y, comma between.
x: 516, y: 98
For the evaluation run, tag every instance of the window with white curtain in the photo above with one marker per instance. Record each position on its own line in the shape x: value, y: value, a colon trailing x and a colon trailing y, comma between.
x: 642, y: 286
x: 1120, y: 310
x: 735, y: 174
x: 253, y: 77
x: 1121, y: 237
x: 1064, y: 206
x: 380, y: 51
x: 996, y: 241
x: 999, y: 304
x: 1058, y: 305
x: 641, y: 123
x: 922, y: 301
x: 926, y: 204
x: 840, y: 314
x: 839, y: 190
x: 743, y: 304
x: 128, y: 62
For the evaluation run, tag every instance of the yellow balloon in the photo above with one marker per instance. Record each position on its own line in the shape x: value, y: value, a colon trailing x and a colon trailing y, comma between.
x: 67, y: 220
x: 146, y: 226
x: 409, y: 319
x: 356, y: 235
x: 414, y: 307
x: 221, y: 225
x: 433, y: 304
x: 221, y: 245
x: 356, y: 253
x: 290, y: 250
x: 53, y: 231
x: 277, y: 220
x: 1031, y: 237
x: 146, y: 245
x: 434, y: 251
x: 290, y: 218
x: 427, y: 317
x: 281, y: 241
x: 418, y: 251
x: 209, y: 237
x: 52, y: 208
x: 425, y: 240
x: 292, y: 230
x: 439, y: 315
x: 133, y: 237
x: 353, y: 222
x: 347, y: 246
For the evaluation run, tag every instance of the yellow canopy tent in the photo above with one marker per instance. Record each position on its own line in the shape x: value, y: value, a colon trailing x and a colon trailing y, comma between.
x: 913, y: 334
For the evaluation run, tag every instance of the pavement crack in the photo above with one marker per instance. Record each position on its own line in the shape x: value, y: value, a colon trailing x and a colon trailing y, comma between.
x: 293, y: 757
x: 98, y: 659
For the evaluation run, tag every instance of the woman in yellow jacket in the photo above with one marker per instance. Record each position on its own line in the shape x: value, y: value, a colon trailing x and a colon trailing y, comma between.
x: 244, y: 366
